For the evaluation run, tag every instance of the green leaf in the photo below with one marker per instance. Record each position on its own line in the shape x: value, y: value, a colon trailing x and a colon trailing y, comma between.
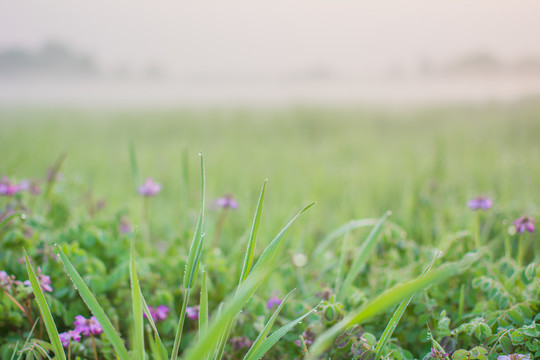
x: 95, y: 308
x: 138, y: 336
x: 250, y: 251
x: 45, y: 311
x: 515, y: 317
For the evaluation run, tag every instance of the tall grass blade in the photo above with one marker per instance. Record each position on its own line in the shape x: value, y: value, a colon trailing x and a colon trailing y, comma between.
x: 248, y: 260
x: 342, y: 261
x: 271, y: 250
x: 342, y: 230
x: 133, y: 163
x: 94, y: 307
x: 363, y: 254
x: 45, y: 311
x: 192, y: 265
x: 384, y: 301
x: 138, y: 335
x: 276, y: 336
x: 262, y: 336
x: 392, y: 324
x: 162, y: 350
x: 203, y: 305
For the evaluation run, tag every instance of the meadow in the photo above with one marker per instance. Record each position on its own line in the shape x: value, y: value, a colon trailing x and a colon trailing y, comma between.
x: 392, y: 261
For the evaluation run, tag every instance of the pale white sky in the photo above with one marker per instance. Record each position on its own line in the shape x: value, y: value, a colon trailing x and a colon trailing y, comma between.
x: 254, y: 37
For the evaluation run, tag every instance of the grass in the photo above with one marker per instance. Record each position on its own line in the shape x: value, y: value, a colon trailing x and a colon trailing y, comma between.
x: 350, y: 268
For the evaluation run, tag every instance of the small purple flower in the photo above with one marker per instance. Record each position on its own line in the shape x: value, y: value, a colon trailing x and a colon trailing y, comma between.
x: 514, y: 357
x: 524, y: 223
x: 7, y: 188
x: 87, y: 326
x: 44, y: 281
x: 150, y: 188
x: 480, y: 202
x: 273, y: 301
x: 159, y: 313
x: 66, y: 337
x: 308, y: 337
x: 438, y: 354
x: 192, y: 312
x: 227, y: 201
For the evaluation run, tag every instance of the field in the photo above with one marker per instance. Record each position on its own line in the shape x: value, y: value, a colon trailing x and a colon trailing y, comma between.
x: 391, y: 189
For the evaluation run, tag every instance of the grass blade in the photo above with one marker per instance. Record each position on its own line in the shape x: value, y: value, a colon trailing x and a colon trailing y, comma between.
x: 192, y: 264
x: 248, y: 260
x: 392, y: 324
x: 94, y: 307
x: 271, y: 250
x: 25, y: 343
x: 384, y: 301
x: 342, y: 230
x: 365, y: 250
x: 138, y: 336
x: 262, y: 336
x: 203, y: 306
x: 276, y: 336
x: 45, y: 311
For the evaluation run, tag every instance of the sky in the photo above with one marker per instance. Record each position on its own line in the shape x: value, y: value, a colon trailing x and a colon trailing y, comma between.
x: 271, y: 37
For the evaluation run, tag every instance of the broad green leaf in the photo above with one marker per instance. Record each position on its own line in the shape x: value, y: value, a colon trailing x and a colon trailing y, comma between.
x: 95, y: 308
x: 45, y: 311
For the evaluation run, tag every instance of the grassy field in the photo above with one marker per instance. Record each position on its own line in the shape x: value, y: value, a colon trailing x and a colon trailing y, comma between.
x: 423, y: 164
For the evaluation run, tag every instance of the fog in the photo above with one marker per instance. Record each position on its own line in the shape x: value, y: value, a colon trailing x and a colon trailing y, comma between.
x: 239, y: 52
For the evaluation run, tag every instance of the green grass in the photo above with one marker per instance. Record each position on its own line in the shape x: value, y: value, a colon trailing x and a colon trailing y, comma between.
x: 422, y: 164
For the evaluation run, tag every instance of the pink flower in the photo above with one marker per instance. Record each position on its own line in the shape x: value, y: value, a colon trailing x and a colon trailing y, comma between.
x: 227, y: 201
x: 192, y: 312
x: 273, y: 301
x: 158, y: 314
x: 150, y: 188
x: 7, y: 188
x: 66, y: 337
x: 480, y: 202
x: 524, y: 223
x: 44, y: 281
x: 125, y: 226
x: 87, y: 326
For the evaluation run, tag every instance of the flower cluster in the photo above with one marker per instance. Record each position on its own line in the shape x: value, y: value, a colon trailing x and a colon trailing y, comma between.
x: 308, y: 337
x: 83, y: 326
x: 6, y: 281
x: 158, y: 313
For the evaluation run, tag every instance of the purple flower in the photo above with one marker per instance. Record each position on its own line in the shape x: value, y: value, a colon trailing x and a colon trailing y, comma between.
x: 524, y: 223
x: 66, y: 337
x: 227, y: 201
x: 480, y: 202
x: 514, y: 357
x: 438, y: 354
x: 44, y: 281
x: 7, y: 188
x: 192, y: 312
x: 308, y: 337
x: 87, y: 326
x: 150, y: 188
x: 159, y: 313
x: 273, y: 301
